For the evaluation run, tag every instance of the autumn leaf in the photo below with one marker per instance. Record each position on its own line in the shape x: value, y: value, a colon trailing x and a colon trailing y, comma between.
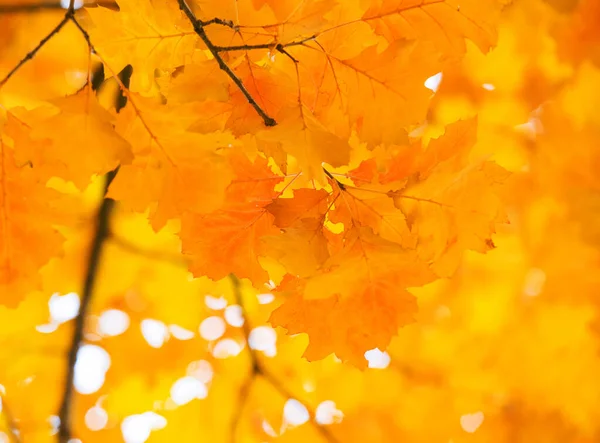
x: 333, y: 326
x: 167, y: 174
x: 446, y: 23
x: 29, y: 239
x: 299, y: 220
x: 92, y: 146
x: 228, y: 240
x: 146, y: 34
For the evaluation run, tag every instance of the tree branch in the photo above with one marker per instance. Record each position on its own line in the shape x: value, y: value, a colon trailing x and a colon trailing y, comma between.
x: 278, y: 46
x: 199, y: 29
x: 255, y: 371
x: 35, y: 50
x: 100, y: 236
x: 258, y: 370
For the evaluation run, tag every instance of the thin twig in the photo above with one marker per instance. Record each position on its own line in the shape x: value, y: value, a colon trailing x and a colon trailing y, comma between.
x: 258, y: 370
x: 98, y: 242
x: 199, y: 29
x: 218, y: 21
x: 277, y: 46
x: 176, y: 260
x: 35, y: 50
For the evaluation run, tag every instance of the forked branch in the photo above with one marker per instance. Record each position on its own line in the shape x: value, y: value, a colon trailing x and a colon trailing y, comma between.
x: 199, y: 29
x: 258, y: 370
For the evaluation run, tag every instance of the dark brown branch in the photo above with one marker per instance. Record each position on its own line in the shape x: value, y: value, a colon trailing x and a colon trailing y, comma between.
x: 100, y: 236
x: 199, y: 29
x: 35, y: 50
x: 278, y: 46
x: 218, y: 21
x: 339, y: 183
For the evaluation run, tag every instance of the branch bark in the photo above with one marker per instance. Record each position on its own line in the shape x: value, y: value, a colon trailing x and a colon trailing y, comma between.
x: 101, y: 234
x: 199, y: 29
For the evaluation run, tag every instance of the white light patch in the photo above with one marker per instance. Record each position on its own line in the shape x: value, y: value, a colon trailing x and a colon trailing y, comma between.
x: 65, y: 4
x: 471, y: 422
x: 212, y: 328
x: 266, y: 426
x: 226, y: 348
x: 96, y: 418
x: 434, y: 81
x: 54, y: 421
x: 265, y: 299
x: 234, y: 316
x: 137, y: 428
x: 113, y: 322
x: 263, y: 338
x: 534, y: 282
x: 63, y: 307
x: 327, y: 413
x: 186, y: 389
x: 377, y: 359
x: 90, y: 369
x: 488, y: 87
x: 180, y: 333
x: 201, y: 370
x: 154, y: 332
x: 215, y: 303
x: 4, y: 438
x: 295, y: 413
x: 48, y: 328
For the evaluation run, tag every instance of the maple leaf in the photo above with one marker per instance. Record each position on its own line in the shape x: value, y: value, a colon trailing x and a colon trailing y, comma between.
x: 145, y: 34
x: 311, y: 144
x: 28, y: 238
x: 72, y: 138
x: 175, y: 170
x: 228, y: 240
x: 380, y: 92
x: 446, y: 23
x: 348, y: 325
x: 437, y: 191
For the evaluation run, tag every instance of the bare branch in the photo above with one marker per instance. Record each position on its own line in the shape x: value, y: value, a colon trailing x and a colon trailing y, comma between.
x: 35, y: 50
x: 101, y: 234
x: 199, y: 28
x: 273, y: 45
x: 258, y: 370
